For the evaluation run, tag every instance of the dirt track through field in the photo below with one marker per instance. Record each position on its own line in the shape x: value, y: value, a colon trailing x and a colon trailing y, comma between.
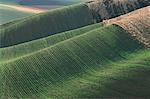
x: 137, y: 23
x: 24, y: 8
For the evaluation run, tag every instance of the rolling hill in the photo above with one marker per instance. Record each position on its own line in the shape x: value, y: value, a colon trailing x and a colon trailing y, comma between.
x: 65, y: 18
x: 106, y: 9
x: 64, y: 53
x: 10, y: 1
x: 8, y: 14
x: 16, y: 9
x: 46, y: 24
x: 42, y: 2
x: 137, y: 23
x: 46, y: 2
x: 33, y: 73
x: 30, y: 47
x: 83, y: 65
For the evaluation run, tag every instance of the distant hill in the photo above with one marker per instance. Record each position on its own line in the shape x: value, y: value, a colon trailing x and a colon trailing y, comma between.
x: 50, y: 2
x: 106, y: 9
x: 8, y: 14
x: 46, y: 2
x: 42, y: 2
x: 10, y: 1
x: 46, y: 24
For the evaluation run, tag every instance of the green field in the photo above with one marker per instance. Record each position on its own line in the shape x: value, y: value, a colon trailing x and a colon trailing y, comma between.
x: 123, y: 79
x: 56, y: 21
x: 29, y: 47
x: 63, y: 54
x: 46, y: 24
x: 50, y: 2
x: 9, y: 1
x: 8, y: 14
x: 46, y: 2
x: 44, y: 72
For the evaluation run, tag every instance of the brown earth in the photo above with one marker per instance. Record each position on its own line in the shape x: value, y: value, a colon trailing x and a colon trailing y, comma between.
x: 137, y: 23
x: 106, y: 9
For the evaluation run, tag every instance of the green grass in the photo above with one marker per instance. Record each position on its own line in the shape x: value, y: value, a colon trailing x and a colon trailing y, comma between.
x: 45, y: 24
x: 76, y: 67
x: 30, y: 47
x: 51, y: 2
x: 9, y: 14
x: 52, y: 55
x: 9, y: 1
x: 127, y: 78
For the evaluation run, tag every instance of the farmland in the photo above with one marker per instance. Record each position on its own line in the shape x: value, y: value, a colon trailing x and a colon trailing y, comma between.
x: 137, y: 23
x: 49, y: 2
x: 78, y: 51
x: 7, y: 14
x: 68, y: 57
x: 11, y: 10
x: 42, y: 27
x: 29, y: 47
x: 41, y: 2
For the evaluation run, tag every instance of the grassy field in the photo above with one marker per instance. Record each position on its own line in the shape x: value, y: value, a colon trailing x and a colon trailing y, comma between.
x: 56, y: 2
x: 36, y: 74
x: 7, y: 14
x: 30, y: 47
x: 10, y: 1
x: 127, y: 78
x: 46, y: 24
x: 50, y: 2
x: 62, y: 54
x: 60, y: 20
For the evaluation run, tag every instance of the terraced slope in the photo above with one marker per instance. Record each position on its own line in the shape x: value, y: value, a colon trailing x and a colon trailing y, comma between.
x: 124, y: 79
x: 35, y: 75
x: 136, y: 23
x: 46, y: 24
x: 30, y: 47
x: 61, y: 20
x: 95, y: 61
x: 106, y: 9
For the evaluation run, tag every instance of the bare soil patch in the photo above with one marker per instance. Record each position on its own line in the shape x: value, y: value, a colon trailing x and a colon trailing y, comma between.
x: 137, y: 23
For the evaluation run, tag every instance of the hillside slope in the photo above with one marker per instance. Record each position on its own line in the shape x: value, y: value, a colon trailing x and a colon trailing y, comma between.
x: 8, y: 14
x: 46, y: 2
x: 136, y: 23
x: 61, y: 20
x: 23, y: 8
x: 45, y: 24
x: 61, y: 54
x: 34, y: 74
x: 23, y: 49
x: 10, y: 1
x: 128, y: 78
x: 41, y: 2
x: 106, y: 9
